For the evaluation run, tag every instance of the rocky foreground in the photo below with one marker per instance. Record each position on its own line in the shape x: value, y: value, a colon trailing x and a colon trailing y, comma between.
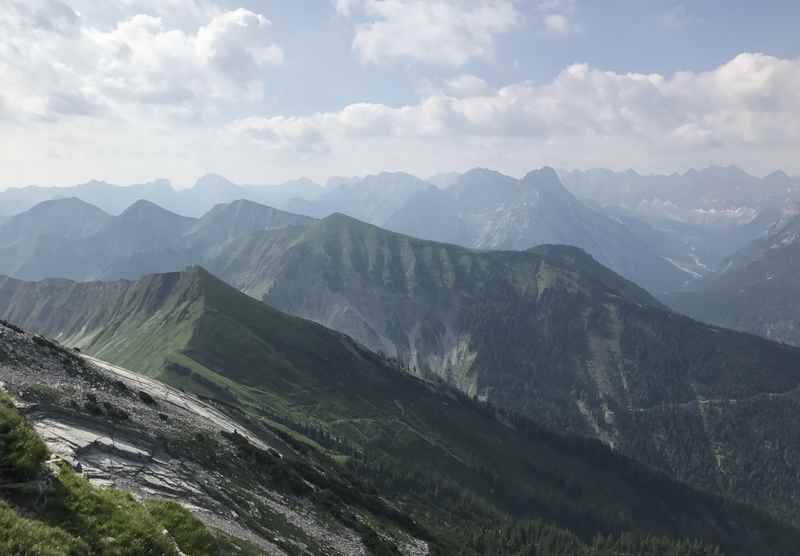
x: 134, y: 433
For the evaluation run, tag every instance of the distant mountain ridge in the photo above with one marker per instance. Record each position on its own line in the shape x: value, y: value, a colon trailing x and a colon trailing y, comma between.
x: 715, y: 211
x: 487, y: 210
x: 757, y: 289
x: 663, y: 232
x: 208, y: 191
x: 69, y: 238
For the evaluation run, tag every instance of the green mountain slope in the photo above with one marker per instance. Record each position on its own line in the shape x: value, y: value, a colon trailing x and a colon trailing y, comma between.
x: 448, y: 460
x: 549, y: 333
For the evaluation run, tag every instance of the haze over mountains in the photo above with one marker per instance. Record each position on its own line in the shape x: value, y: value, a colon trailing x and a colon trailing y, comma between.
x: 715, y: 211
x: 208, y: 191
x: 758, y: 288
x: 663, y: 240
x: 73, y: 239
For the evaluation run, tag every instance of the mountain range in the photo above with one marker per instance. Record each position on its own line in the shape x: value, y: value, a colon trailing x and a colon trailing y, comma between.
x: 208, y: 191
x: 487, y: 210
x: 480, y: 208
x: 715, y: 211
x: 548, y: 333
x: 72, y: 239
x: 387, y: 461
x: 757, y: 288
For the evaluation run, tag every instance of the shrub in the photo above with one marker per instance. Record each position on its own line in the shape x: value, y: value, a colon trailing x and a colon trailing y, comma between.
x: 188, y: 531
x: 22, y: 452
x: 27, y: 537
x: 112, y: 522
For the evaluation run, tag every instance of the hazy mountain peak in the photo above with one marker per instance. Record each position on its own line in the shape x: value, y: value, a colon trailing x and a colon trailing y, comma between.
x: 336, y: 181
x: 160, y: 183
x: 95, y: 183
x: 730, y: 171
x: 546, y: 179
x: 778, y: 176
x: 301, y: 182
x: 483, y: 173
x: 444, y: 180
x: 67, y: 217
x: 214, y: 181
x: 239, y: 204
x: 143, y: 205
x: 545, y: 173
x: 64, y: 203
x: 339, y: 218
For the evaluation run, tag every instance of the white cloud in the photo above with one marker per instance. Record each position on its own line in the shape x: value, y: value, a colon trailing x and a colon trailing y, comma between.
x: 557, y: 24
x: 750, y: 102
x: 55, y: 63
x: 466, y: 85
x: 679, y: 17
x: 440, y: 32
x: 460, y: 86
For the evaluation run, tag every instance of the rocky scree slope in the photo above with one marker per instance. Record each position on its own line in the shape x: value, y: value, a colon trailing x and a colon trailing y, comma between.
x: 246, y: 482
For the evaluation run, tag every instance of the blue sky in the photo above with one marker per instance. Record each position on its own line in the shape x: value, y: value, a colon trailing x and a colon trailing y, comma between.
x: 267, y: 90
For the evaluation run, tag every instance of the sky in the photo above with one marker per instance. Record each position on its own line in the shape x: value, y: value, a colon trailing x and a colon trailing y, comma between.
x: 263, y: 91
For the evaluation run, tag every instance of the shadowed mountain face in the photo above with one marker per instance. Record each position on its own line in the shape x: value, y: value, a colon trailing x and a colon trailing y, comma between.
x: 758, y: 288
x: 549, y: 333
x: 487, y: 210
x: 72, y: 239
x: 451, y: 463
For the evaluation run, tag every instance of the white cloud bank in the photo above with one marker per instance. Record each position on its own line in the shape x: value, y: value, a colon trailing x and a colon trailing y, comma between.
x: 749, y: 102
x: 55, y: 63
x: 131, y: 91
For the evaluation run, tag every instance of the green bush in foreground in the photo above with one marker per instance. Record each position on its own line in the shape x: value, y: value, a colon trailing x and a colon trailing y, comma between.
x: 27, y: 537
x: 190, y: 534
x: 79, y: 519
x: 22, y: 452
x: 112, y: 522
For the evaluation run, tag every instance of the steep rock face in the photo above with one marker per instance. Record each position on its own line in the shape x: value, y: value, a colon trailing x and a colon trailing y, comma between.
x: 488, y: 210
